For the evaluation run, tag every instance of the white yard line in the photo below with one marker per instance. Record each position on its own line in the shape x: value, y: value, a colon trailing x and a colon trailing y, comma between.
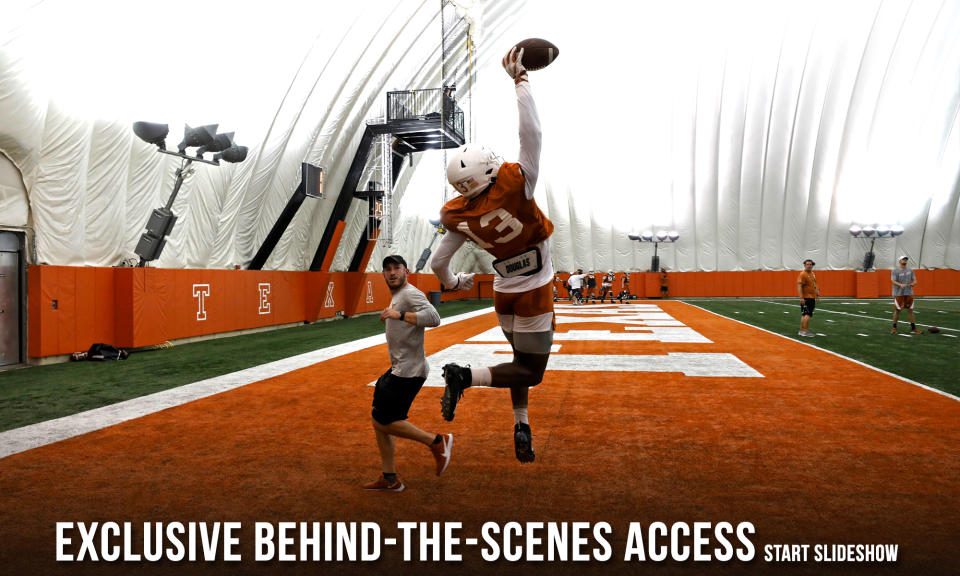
x: 874, y: 368
x: 43, y: 433
x: 848, y: 314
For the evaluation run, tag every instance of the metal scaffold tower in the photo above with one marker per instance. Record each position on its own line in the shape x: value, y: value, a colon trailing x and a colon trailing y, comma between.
x: 457, y: 66
x: 381, y: 210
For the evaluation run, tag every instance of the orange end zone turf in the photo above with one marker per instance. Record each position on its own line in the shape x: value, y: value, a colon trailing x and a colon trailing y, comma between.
x: 820, y: 450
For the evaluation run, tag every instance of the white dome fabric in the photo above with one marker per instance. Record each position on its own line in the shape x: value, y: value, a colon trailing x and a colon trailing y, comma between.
x: 760, y: 131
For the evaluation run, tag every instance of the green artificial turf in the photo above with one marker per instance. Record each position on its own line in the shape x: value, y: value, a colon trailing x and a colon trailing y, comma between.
x: 860, y: 329
x: 39, y: 393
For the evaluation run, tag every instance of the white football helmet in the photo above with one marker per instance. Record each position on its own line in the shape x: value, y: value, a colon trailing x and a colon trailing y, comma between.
x: 472, y: 168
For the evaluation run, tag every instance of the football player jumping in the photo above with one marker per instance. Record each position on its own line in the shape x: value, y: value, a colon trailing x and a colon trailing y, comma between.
x: 496, y: 210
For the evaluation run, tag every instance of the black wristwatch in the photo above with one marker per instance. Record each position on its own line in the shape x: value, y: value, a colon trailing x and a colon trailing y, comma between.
x: 403, y: 316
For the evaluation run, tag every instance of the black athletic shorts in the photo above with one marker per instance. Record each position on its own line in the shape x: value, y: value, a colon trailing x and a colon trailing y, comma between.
x: 393, y: 396
x: 806, y: 309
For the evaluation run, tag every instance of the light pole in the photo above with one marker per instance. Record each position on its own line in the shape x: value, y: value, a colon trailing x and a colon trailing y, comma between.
x: 205, y: 139
x: 439, y: 230
x: 661, y: 236
x: 874, y: 232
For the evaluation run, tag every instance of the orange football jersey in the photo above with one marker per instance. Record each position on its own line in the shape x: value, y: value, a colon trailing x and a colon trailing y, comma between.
x: 501, y: 220
x: 808, y: 283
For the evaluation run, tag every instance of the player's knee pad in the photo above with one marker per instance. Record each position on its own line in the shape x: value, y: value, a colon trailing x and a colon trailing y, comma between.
x: 533, y: 342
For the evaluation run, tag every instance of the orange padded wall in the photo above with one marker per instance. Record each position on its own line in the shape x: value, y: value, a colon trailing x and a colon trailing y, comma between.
x: 71, y: 308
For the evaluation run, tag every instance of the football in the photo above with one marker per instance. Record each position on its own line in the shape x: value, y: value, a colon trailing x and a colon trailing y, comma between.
x: 537, y: 53
x: 933, y: 330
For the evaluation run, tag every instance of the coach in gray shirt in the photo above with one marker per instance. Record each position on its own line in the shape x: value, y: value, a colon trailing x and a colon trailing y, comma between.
x: 903, y: 280
x: 406, y: 317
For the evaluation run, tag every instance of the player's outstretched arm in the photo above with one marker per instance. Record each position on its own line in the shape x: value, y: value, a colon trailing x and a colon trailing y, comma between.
x: 440, y: 264
x: 530, y: 135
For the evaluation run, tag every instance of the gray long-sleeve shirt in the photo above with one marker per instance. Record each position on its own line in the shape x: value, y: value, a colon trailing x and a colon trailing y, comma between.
x: 405, y: 341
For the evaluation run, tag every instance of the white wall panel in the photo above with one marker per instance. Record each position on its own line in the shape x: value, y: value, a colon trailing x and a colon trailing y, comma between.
x: 759, y: 130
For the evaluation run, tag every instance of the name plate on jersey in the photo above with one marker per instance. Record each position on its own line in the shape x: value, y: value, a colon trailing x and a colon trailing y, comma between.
x: 526, y: 263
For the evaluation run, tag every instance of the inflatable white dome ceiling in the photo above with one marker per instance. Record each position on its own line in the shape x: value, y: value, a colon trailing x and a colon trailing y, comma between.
x: 759, y: 131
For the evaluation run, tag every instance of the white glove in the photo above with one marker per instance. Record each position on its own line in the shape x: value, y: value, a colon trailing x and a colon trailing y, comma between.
x: 464, y: 281
x: 513, y: 64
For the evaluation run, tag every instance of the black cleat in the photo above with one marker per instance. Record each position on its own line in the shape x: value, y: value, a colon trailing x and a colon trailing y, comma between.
x: 457, y: 379
x: 523, y: 442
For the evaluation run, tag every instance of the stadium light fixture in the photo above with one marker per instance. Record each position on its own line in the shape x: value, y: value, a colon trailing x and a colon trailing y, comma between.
x: 661, y: 236
x: 205, y: 139
x: 201, y: 136
x: 232, y: 155
x: 220, y: 143
x: 874, y: 233
x: 152, y: 133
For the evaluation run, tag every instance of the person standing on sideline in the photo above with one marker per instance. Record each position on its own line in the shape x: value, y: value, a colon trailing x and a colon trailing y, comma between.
x: 406, y: 317
x: 809, y: 294
x: 496, y: 209
x: 663, y: 283
x: 903, y: 280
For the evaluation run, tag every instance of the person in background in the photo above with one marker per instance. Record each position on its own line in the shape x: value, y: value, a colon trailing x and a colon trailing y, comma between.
x: 606, y: 287
x: 663, y: 283
x: 624, y: 288
x: 809, y: 294
x: 558, y: 283
x: 903, y: 280
x: 406, y: 317
x: 591, y: 286
x: 576, y: 286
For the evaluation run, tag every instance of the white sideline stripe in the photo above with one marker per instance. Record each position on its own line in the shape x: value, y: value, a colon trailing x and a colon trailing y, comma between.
x: 861, y: 315
x: 43, y: 433
x: 874, y: 368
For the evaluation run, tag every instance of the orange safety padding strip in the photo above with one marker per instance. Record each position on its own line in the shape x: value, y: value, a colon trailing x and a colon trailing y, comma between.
x: 819, y: 450
x: 39, y: 286
x: 123, y: 311
x: 104, y: 325
x: 368, y: 250
x: 357, y: 291
x: 334, y: 244
x: 867, y: 285
x: 132, y: 307
x: 67, y: 307
x: 86, y: 305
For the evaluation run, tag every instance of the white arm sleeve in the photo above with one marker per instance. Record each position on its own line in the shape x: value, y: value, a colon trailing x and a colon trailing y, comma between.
x: 440, y: 264
x: 530, y: 137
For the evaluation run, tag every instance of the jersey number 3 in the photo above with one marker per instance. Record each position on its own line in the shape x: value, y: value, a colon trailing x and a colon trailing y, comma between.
x: 508, y: 228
